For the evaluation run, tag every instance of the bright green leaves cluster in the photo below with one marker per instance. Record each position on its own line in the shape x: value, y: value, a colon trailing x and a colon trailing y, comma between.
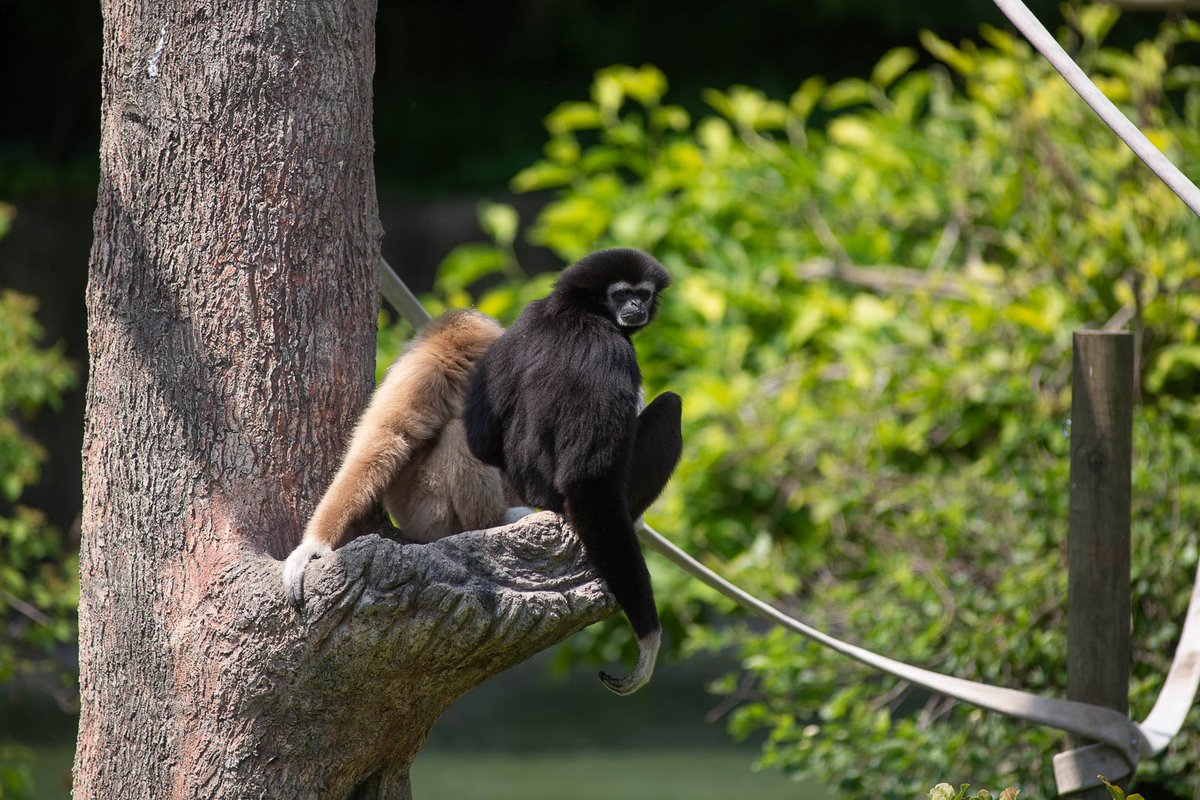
x: 944, y: 791
x: 39, y: 585
x: 876, y: 283
x: 38, y: 592
x: 1117, y: 793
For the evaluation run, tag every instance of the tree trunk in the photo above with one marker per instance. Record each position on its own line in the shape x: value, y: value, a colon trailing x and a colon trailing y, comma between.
x: 232, y: 304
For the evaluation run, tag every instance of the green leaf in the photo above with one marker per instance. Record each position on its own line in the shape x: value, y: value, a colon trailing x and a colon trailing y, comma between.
x: 939, y: 48
x: 542, y: 175
x: 847, y: 92
x: 563, y: 150
x: 499, y: 221
x: 1096, y: 20
x: 607, y: 93
x: 467, y: 263
x: 646, y: 84
x: 1173, y: 362
x: 852, y: 131
x: 1116, y: 792
x: 894, y: 63
x: 943, y: 791
x: 673, y: 118
x: 715, y: 135
x: 573, y: 116
x: 7, y: 212
x: 805, y: 99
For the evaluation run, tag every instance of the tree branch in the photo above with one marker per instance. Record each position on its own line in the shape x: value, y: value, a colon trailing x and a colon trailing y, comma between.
x: 390, y: 635
x: 890, y: 278
x: 479, y: 598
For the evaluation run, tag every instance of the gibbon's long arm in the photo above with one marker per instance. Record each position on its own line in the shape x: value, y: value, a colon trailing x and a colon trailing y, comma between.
x: 389, y: 454
x: 383, y: 442
x: 600, y: 515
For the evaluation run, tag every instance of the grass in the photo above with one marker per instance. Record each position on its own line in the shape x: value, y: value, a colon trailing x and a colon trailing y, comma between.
x: 525, y: 735
x: 602, y: 775
x: 695, y: 774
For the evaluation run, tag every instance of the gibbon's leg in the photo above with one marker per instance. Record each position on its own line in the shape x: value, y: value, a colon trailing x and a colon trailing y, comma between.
x: 600, y: 517
x: 514, y: 514
x: 657, y: 446
x: 370, y: 464
x: 517, y: 510
x: 476, y: 492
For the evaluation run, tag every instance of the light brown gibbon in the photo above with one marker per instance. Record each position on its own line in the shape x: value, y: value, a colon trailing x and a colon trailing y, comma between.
x: 409, y: 450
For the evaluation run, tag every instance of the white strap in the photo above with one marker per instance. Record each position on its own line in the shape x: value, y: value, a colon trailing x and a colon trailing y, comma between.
x: 1049, y: 47
x: 1179, y: 691
x: 399, y: 296
x: 1078, y: 768
x: 1094, y: 722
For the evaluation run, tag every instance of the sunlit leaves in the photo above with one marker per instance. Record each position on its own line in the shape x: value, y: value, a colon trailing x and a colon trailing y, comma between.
x: 38, y: 585
x: 876, y: 281
x: 893, y: 64
x: 499, y: 221
x: 574, y: 116
x: 960, y: 59
x: 805, y: 99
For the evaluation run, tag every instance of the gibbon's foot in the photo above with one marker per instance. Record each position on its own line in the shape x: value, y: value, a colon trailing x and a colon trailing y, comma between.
x: 516, y: 514
x: 647, y: 655
x: 293, y: 569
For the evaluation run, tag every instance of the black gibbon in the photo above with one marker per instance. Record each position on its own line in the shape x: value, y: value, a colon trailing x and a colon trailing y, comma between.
x: 555, y: 404
x: 409, y: 450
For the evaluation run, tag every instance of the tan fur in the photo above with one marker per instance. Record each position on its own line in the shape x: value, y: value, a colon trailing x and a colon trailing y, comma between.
x: 410, y: 451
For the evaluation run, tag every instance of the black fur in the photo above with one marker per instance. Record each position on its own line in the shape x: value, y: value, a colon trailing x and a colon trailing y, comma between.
x: 553, y: 403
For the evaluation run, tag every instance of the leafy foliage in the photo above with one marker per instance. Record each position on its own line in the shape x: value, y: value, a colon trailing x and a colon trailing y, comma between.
x: 1117, y: 793
x: 944, y: 791
x: 876, y: 285
x: 39, y: 585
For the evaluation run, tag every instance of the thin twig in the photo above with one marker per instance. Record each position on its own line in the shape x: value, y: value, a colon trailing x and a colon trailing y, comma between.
x: 889, y: 278
x: 33, y: 612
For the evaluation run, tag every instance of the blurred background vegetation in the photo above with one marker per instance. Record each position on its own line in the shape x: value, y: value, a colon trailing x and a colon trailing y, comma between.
x: 884, y: 222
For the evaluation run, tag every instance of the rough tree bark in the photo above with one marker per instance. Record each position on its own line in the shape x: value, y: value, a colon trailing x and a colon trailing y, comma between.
x: 231, y: 309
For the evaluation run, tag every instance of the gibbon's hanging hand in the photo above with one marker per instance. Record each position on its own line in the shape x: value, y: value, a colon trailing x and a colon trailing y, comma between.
x: 555, y: 404
x: 409, y: 450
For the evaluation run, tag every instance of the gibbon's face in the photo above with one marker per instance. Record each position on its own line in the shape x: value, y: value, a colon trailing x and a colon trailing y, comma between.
x: 630, y: 304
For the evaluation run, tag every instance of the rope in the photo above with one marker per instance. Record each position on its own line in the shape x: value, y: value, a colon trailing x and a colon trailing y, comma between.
x: 1094, y: 722
x: 1097, y: 723
x: 1049, y: 47
x: 400, y: 297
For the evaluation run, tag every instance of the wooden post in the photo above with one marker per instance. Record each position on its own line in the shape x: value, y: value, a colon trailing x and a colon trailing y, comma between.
x: 1098, y: 540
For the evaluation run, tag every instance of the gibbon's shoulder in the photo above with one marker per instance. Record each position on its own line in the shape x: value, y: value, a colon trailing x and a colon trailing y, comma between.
x: 464, y: 331
x: 446, y: 349
x: 453, y: 341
